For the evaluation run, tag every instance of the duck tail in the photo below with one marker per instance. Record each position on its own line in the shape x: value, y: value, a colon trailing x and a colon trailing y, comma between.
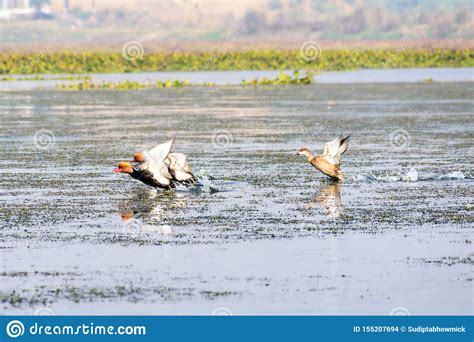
x: 339, y: 175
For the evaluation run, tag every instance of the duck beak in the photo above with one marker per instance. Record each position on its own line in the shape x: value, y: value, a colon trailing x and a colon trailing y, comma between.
x: 116, y: 170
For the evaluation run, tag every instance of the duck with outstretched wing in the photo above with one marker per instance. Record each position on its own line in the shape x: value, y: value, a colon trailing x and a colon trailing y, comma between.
x: 159, y: 167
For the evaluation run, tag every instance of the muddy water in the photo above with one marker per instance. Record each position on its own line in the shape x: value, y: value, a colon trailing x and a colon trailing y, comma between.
x: 277, y: 238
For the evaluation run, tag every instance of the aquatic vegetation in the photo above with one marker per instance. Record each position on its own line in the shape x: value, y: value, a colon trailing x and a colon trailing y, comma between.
x: 87, y: 85
x: 282, y: 78
x: 330, y: 60
x: 43, y: 78
x: 171, y: 84
x: 128, y: 85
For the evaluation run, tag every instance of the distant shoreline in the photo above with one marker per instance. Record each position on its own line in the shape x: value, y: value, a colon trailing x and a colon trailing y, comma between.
x: 134, y: 58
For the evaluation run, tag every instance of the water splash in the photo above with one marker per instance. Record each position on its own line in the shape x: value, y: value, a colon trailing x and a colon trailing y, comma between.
x: 204, y: 184
x: 412, y: 175
x: 204, y: 174
x: 453, y: 175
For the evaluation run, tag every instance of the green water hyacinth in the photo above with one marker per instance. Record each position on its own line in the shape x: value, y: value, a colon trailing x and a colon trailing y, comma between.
x: 282, y: 79
x: 42, y: 78
x: 129, y: 85
x: 66, y: 62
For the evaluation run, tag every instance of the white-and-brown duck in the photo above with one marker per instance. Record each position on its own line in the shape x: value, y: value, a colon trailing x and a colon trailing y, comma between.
x: 328, y: 162
x: 159, y: 168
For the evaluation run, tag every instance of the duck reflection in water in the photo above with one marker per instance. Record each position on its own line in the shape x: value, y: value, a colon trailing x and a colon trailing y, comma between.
x: 148, y: 211
x: 127, y: 216
x: 329, y: 198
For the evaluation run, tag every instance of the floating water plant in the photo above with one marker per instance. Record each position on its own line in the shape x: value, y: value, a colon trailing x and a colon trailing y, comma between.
x: 43, y: 78
x: 172, y: 84
x: 87, y: 85
x: 283, y: 78
x: 129, y: 85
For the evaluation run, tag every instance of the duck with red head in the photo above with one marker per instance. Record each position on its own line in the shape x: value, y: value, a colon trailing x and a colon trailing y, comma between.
x: 139, y: 157
x: 161, y: 161
x: 123, y: 167
x: 143, y: 176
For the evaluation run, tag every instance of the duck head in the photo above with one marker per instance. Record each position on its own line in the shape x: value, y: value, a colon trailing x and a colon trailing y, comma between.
x: 124, y: 167
x: 138, y: 158
x: 303, y: 151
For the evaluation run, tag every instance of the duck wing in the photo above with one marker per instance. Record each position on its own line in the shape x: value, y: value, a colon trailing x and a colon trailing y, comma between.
x: 179, y: 168
x: 160, y: 152
x: 344, y: 143
x: 155, y: 162
x: 335, y: 148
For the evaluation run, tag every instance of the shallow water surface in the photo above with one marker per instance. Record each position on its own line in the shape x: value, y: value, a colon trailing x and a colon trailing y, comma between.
x: 235, y: 77
x: 277, y: 238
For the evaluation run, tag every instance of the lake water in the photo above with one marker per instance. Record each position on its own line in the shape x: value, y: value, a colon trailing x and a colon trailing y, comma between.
x: 236, y: 77
x: 277, y: 238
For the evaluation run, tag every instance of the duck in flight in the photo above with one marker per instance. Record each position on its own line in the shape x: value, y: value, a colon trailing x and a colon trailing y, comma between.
x: 328, y: 162
x: 176, y: 164
x: 159, y: 168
